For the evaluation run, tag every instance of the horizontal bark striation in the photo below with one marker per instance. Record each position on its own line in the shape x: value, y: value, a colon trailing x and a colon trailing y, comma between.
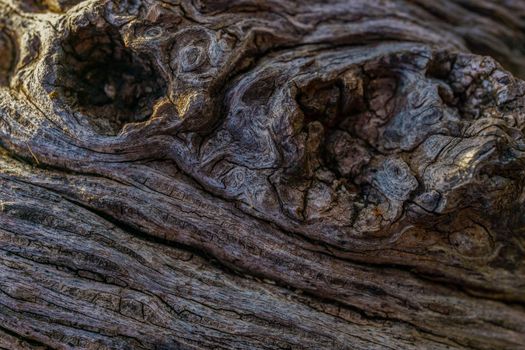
x: 246, y: 174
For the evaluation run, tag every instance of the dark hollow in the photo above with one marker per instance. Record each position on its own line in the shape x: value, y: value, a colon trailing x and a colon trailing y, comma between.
x: 106, y: 81
x: 7, y: 58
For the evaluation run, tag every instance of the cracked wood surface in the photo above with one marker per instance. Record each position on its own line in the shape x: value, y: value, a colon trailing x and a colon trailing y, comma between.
x: 262, y: 174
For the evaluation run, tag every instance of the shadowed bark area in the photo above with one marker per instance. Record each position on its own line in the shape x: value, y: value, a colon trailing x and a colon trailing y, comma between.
x: 262, y: 174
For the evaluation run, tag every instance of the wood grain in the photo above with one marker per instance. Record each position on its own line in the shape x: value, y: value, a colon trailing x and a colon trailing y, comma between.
x: 262, y: 174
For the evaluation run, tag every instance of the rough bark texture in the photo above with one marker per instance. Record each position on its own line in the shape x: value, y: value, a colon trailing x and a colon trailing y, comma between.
x: 243, y: 174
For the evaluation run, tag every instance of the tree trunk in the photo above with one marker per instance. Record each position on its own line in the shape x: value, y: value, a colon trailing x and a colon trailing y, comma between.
x: 244, y: 174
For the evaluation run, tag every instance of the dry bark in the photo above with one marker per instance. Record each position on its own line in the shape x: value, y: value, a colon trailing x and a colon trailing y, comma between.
x: 262, y: 174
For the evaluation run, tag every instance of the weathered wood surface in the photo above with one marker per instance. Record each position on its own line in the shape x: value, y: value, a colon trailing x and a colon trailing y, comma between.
x: 262, y: 174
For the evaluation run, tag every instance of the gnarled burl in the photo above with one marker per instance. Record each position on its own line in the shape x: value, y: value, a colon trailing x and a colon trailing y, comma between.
x: 262, y: 174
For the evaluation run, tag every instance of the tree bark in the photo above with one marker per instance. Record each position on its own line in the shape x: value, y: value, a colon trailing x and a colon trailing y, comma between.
x: 277, y: 174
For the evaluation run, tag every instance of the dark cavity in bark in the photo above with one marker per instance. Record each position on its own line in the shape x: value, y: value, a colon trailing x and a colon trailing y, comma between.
x: 7, y: 57
x: 107, y: 81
